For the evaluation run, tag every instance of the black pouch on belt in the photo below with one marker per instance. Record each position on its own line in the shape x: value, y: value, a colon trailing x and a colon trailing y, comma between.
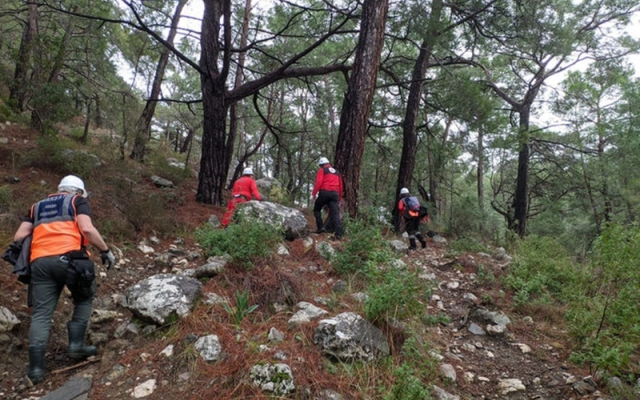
x: 81, y: 275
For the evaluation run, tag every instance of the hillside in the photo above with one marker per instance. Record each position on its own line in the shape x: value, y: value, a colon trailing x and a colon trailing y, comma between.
x: 528, y: 361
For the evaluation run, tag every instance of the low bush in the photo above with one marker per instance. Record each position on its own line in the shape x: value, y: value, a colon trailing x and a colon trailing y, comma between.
x: 246, y: 242
x: 394, y: 292
x: 365, y: 249
x: 604, y: 315
x: 542, y: 272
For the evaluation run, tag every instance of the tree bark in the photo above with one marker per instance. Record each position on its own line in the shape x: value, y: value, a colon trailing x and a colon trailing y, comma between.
x: 19, y: 92
x: 409, y: 130
x: 357, y: 101
x: 143, y: 125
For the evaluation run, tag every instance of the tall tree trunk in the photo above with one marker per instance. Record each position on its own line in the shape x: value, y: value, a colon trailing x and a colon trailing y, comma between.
x: 143, y: 125
x: 213, y: 173
x: 357, y: 101
x: 521, y: 201
x: 409, y: 130
x: 19, y: 92
x: 233, y: 108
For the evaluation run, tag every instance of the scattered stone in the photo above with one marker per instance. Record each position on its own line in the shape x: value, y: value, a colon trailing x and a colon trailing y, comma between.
x: 496, y: 330
x: 340, y: 287
x: 144, y: 389
x: 275, y: 335
x: 214, y: 221
x: 146, y: 249
x: 306, y: 313
x: 161, y: 182
x: 101, y: 316
x: 75, y: 388
x: 273, y: 378
x: 7, y: 320
x: 214, y: 266
x: 442, y: 394
x: 209, y: 347
x: 117, y: 372
x: 523, y: 347
x: 583, y: 388
x: 162, y: 297
x: 507, y: 386
x: 168, y: 351
x: 348, y: 337
x: 282, y: 250
x: 448, y: 372
x: 476, y: 330
x: 213, y: 299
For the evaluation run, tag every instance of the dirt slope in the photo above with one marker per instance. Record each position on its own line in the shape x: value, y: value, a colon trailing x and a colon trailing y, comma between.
x: 533, y: 350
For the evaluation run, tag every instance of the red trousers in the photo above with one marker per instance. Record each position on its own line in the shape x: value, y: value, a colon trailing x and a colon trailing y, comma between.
x: 231, y: 208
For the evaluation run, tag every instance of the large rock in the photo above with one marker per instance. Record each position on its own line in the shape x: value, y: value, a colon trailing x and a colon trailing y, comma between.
x: 160, y: 298
x: 292, y: 221
x: 348, y: 337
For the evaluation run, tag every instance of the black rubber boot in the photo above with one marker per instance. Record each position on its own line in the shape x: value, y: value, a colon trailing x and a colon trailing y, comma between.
x: 77, y: 349
x: 423, y: 242
x: 412, y: 245
x: 35, y: 373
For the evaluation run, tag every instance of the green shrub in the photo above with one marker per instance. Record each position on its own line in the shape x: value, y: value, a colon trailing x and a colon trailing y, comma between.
x: 542, y: 272
x: 604, y: 314
x: 408, y: 385
x: 394, y: 292
x: 57, y: 155
x: 468, y: 244
x: 365, y: 249
x: 246, y: 242
x: 5, y: 198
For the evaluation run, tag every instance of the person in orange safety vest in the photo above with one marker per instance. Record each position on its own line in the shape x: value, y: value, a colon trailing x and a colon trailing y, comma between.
x: 61, y: 228
x: 244, y: 189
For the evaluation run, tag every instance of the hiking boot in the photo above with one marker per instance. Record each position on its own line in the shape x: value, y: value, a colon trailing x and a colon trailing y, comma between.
x: 320, y: 230
x: 423, y: 242
x: 77, y: 349
x: 412, y: 245
x: 35, y: 373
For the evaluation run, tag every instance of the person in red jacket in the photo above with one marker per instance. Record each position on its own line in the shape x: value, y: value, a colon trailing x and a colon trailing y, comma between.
x: 328, y: 188
x: 244, y: 189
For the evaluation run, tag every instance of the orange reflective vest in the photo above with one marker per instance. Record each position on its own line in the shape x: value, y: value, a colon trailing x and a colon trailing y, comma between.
x: 55, y: 231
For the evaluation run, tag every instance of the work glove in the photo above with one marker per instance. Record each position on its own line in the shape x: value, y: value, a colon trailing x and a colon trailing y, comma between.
x: 108, y: 258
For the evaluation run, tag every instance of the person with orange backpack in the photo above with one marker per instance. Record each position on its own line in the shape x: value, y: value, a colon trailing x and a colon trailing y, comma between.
x: 244, y: 189
x: 412, y: 212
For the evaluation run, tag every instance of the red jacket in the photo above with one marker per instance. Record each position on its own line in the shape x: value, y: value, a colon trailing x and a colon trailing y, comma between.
x: 246, y: 187
x: 329, y: 179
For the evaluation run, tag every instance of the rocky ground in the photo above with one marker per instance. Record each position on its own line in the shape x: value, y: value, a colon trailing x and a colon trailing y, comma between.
x: 475, y: 357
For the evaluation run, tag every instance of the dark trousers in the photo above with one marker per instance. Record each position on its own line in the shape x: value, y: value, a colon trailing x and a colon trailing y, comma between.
x: 412, y: 226
x: 331, y: 200
x: 48, y: 277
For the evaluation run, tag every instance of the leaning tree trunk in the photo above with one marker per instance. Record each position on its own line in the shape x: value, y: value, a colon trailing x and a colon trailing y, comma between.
x: 409, y: 130
x: 143, y: 125
x: 357, y: 101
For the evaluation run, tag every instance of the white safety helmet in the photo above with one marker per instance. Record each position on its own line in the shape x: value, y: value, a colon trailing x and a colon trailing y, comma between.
x: 72, y: 184
x: 404, y: 191
x: 247, y: 171
x: 323, y: 161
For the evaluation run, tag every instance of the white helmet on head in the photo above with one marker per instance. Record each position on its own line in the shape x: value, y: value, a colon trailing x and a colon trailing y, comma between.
x: 72, y: 184
x: 323, y: 161
x: 247, y: 171
x: 404, y: 191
